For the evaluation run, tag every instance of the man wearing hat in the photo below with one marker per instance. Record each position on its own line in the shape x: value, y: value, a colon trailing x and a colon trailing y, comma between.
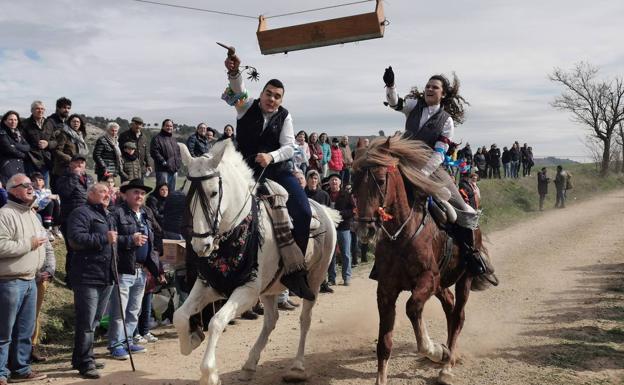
x: 134, y: 135
x: 131, y: 164
x: 72, y: 189
x: 136, y: 256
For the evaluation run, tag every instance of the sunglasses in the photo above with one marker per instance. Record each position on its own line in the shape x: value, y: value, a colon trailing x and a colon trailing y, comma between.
x: 25, y: 185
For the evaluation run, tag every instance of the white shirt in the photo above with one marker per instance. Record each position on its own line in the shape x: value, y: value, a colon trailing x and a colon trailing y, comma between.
x: 287, y: 135
x: 447, y: 131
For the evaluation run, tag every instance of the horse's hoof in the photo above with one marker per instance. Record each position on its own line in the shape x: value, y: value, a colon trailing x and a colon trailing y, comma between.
x: 246, y: 375
x: 197, y: 337
x: 295, y: 375
x: 446, y: 377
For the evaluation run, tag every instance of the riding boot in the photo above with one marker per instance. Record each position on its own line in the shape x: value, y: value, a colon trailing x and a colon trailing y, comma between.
x: 374, y: 274
x: 297, y: 283
x: 472, y: 256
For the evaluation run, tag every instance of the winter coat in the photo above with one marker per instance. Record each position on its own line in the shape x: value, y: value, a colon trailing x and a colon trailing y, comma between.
x: 561, y: 179
x: 92, y: 259
x: 198, y: 145
x: 514, y: 154
x: 105, y: 157
x: 315, y: 149
x: 157, y: 205
x: 126, y: 224
x: 142, y: 150
x: 542, y: 183
x: 326, y: 153
x: 131, y: 167
x: 18, y: 224
x: 506, y: 158
x: 166, y: 153
x: 13, y: 153
x: 466, y: 153
x: 479, y: 161
x: 345, y: 204
x: 319, y: 195
x: 335, y: 162
x: 65, y: 150
x: 72, y: 189
x: 39, y: 158
x: 494, y: 157
x: 347, y: 159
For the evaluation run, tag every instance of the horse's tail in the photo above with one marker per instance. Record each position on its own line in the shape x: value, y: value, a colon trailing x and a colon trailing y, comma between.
x: 334, y: 215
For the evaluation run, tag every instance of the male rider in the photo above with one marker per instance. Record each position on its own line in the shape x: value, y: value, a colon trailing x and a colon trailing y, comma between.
x: 265, y: 136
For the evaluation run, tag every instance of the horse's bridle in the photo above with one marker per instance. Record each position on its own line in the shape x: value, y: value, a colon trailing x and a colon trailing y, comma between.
x: 378, y: 221
x: 197, y: 189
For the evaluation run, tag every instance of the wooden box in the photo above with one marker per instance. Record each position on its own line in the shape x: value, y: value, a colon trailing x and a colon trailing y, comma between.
x: 174, y: 252
x: 321, y: 33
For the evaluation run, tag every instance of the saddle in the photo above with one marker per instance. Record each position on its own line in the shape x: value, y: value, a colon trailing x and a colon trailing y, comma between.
x: 270, y: 189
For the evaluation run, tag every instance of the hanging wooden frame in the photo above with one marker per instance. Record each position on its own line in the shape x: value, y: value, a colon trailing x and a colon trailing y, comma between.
x: 321, y: 33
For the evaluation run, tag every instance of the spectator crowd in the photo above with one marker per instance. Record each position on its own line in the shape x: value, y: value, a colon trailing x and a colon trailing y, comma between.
x: 114, y: 233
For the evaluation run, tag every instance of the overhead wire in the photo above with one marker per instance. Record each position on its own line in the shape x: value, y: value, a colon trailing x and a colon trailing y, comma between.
x: 249, y: 16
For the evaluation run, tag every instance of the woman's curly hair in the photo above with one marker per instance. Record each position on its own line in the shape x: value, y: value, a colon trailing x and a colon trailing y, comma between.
x: 452, y: 101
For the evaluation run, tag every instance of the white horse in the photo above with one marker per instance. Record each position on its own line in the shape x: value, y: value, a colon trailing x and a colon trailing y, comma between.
x: 227, y: 183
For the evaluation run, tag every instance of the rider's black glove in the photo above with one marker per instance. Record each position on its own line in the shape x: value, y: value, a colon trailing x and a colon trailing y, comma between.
x: 388, y: 77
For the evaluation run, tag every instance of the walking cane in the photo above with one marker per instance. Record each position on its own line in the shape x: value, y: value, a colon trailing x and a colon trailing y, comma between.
x: 121, y: 309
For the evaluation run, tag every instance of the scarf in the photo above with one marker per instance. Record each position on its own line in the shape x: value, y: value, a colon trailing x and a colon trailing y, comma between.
x: 112, y: 141
x: 77, y: 139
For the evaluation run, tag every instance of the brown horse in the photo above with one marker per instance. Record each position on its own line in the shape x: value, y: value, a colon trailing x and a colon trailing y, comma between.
x: 392, y: 197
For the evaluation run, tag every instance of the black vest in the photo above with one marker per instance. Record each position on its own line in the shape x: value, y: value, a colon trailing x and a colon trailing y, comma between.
x: 431, y: 130
x: 253, y: 140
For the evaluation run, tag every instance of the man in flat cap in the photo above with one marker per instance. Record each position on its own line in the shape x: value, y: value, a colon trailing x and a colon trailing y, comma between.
x: 134, y: 134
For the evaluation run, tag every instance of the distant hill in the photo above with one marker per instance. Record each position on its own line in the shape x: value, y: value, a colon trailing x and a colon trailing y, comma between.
x: 552, y: 161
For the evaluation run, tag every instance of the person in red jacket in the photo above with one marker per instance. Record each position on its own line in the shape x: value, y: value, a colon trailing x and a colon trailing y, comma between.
x: 335, y: 162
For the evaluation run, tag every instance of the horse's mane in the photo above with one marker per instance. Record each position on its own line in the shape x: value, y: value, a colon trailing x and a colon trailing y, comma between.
x: 232, y: 162
x: 410, y: 156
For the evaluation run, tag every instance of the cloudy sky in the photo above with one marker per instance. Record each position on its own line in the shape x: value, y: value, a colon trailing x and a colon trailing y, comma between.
x: 125, y: 58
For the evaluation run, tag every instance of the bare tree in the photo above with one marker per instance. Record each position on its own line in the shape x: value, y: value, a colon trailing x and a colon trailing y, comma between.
x: 597, y: 104
x: 619, y: 139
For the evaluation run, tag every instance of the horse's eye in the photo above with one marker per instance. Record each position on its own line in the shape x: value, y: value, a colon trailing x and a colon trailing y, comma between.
x: 213, y: 194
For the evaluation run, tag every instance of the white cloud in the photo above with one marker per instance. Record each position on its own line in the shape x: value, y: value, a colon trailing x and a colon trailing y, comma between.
x: 123, y: 58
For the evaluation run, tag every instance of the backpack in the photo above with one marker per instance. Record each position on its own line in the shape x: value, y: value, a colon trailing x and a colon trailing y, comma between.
x: 569, y: 183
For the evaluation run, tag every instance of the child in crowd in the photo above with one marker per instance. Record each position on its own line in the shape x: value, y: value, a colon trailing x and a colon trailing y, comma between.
x: 48, y: 206
x: 131, y: 164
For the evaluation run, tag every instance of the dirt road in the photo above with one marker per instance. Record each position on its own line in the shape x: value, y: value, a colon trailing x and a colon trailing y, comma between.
x: 556, y: 318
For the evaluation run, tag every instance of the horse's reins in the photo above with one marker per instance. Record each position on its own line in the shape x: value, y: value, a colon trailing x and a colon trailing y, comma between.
x: 395, y: 236
x: 196, y: 188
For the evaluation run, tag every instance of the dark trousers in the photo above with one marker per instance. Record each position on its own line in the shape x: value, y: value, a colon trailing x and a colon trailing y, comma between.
x: 298, y: 208
x: 542, y: 197
x: 144, y: 316
x: 50, y: 214
x: 70, y: 253
x: 89, y: 303
x: 354, y: 248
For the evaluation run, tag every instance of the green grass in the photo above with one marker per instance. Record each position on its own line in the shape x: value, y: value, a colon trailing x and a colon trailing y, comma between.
x: 508, y: 201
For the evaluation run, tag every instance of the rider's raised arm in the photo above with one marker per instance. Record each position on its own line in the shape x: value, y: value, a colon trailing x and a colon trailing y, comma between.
x: 238, y: 87
x: 441, y: 147
x: 399, y: 104
x: 287, y: 142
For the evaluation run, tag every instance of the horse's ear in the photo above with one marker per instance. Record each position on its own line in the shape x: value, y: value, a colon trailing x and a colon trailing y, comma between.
x: 387, y: 144
x: 186, y: 155
x: 218, y: 150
